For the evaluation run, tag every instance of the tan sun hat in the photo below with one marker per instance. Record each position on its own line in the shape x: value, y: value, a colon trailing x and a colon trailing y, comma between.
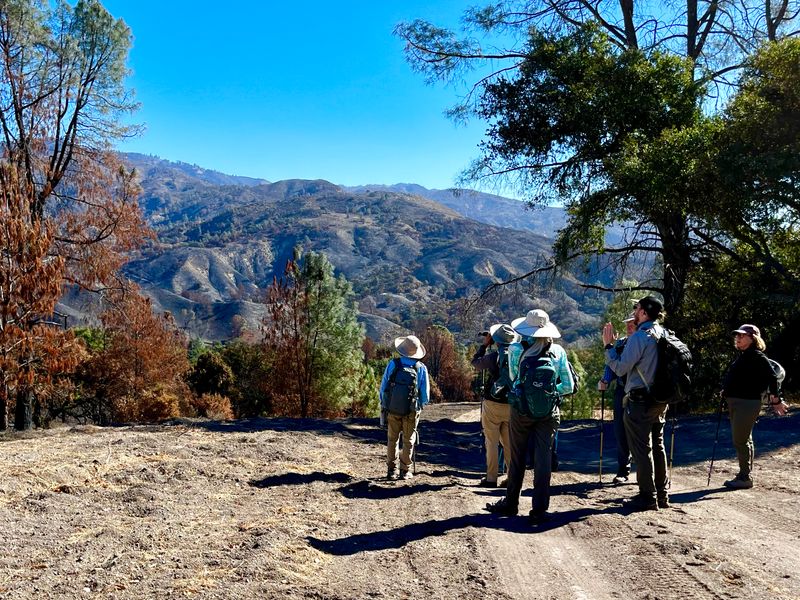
x: 535, y: 324
x: 502, y: 333
x: 409, y: 346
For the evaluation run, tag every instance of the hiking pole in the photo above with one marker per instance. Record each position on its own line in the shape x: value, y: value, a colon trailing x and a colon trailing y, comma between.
x: 716, y: 438
x: 671, y: 449
x: 602, y: 422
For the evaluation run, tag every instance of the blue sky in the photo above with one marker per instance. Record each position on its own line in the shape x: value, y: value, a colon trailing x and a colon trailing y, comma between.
x: 282, y: 90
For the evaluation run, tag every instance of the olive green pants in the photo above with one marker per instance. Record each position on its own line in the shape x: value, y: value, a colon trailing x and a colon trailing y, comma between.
x: 743, y: 412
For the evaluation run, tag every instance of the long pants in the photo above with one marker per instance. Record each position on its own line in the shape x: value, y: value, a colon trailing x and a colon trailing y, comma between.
x: 644, y: 424
x: 743, y: 412
x: 494, y: 420
x: 521, y: 428
x: 406, y: 425
x: 623, y: 450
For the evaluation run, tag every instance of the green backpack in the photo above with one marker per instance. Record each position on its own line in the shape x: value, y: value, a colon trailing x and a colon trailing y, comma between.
x: 498, y: 390
x: 538, y: 376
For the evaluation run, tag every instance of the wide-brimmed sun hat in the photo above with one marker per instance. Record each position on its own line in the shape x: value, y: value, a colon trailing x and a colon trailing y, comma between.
x: 502, y: 333
x: 409, y: 346
x: 535, y: 324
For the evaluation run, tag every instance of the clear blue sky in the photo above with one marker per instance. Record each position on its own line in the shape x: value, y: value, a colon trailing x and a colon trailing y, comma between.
x: 283, y: 90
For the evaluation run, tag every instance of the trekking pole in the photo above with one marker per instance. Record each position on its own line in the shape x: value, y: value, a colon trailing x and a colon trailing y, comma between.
x: 602, y: 422
x: 671, y: 449
x: 716, y: 438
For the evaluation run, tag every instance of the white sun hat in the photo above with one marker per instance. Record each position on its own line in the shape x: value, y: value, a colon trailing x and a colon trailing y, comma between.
x: 535, y: 324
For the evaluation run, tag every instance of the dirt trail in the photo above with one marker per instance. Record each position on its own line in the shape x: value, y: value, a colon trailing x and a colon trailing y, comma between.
x: 279, y: 508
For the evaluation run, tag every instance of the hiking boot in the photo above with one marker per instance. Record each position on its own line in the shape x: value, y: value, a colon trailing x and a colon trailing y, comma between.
x: 502, y: 507
x: 639, y: 502
x: 663, y: 502
x: 406, y: 474
x: 485, y: 483
x: 620, y: 478
x: 392, y: 473
x: 537, y: 518
x: 739, y: 483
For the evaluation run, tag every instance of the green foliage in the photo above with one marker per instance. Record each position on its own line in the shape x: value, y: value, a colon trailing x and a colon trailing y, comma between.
x: 94, y: 338
x: 253, y: 376
x: 313, y: 329
x: 211, y: 375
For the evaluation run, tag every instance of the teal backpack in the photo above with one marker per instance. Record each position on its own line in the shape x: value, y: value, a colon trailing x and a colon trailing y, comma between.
x: 538, y: 376
x: 498, y: 391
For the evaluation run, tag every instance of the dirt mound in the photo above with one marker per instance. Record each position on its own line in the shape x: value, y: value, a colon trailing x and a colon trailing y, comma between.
x: 280, y: 508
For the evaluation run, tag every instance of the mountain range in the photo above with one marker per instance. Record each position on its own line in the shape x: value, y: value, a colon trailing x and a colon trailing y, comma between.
x: 412, y: 255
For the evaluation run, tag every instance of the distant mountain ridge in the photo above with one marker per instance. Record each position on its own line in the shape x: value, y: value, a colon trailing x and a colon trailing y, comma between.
x: 409, y: 257
x: 485, y: 208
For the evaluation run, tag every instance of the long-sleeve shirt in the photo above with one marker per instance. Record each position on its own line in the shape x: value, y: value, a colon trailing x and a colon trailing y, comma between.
x: 749, y: 376
x: 486, y: 362
x: 565, y: 385
x: 639, y: 359
x: 608, y: 373
x: 423, y: 384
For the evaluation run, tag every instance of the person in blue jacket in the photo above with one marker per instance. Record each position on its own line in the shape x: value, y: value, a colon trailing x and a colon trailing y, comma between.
x: 409, y: 365
x: 623, y: 450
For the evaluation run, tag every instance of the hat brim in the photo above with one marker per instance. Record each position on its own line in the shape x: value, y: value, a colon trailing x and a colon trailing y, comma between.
x: 743, y: 331
x: 522, y: 327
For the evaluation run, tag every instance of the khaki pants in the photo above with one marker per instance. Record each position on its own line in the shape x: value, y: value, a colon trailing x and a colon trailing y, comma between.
x: 494, y: 420
x: 408, y: 427
x: 644, y: 424
x: 743, y: 412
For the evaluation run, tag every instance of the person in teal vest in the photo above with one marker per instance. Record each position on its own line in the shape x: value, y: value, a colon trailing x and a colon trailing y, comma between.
x: 536, y: 347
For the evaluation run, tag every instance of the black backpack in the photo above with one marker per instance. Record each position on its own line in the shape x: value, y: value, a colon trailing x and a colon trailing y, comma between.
x: 402, y: 390
x: 673, y: 370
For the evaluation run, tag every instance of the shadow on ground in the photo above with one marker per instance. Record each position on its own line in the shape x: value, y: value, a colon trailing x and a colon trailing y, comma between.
x: 450, y: 448
x: 396, y: 538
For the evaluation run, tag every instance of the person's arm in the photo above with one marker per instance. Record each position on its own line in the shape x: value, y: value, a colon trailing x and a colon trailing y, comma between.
x: 423, y: 384
x: 566, y: 384
x: 624, y: 363
x: 482, y: 361
x: 514, y: 354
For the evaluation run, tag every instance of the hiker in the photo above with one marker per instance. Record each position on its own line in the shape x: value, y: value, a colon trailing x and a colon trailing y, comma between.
x: 623, y: 450
x: 495, y: 411
x: 404, y: 391
x: 644, y: 416
x: 745, y: 382
x: 535, y: 364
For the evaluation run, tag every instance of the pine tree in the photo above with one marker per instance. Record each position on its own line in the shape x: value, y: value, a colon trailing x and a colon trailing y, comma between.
x: 313, y: 332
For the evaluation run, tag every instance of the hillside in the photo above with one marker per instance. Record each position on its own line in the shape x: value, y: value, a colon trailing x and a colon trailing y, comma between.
x: 223, y: 238
x: 281, y: 508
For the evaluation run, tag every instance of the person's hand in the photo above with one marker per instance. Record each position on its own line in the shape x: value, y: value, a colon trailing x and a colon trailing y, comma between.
x: 609, y: 335
x: 488, y: 341
x: 778, y: 406
x: 602, y: 385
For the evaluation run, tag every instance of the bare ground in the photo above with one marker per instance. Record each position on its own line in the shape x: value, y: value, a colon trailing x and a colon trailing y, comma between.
x: 279, y: 508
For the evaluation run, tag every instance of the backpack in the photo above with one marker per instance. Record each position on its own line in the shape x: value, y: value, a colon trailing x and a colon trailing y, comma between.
x: 499, y: 388
x: 673, y: 369
x: 402, y: 390
x: 538, y: 377
x: 780, y: 372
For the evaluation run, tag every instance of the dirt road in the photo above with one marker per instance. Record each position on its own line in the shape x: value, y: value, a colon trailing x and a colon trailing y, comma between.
x: 289, y: 509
